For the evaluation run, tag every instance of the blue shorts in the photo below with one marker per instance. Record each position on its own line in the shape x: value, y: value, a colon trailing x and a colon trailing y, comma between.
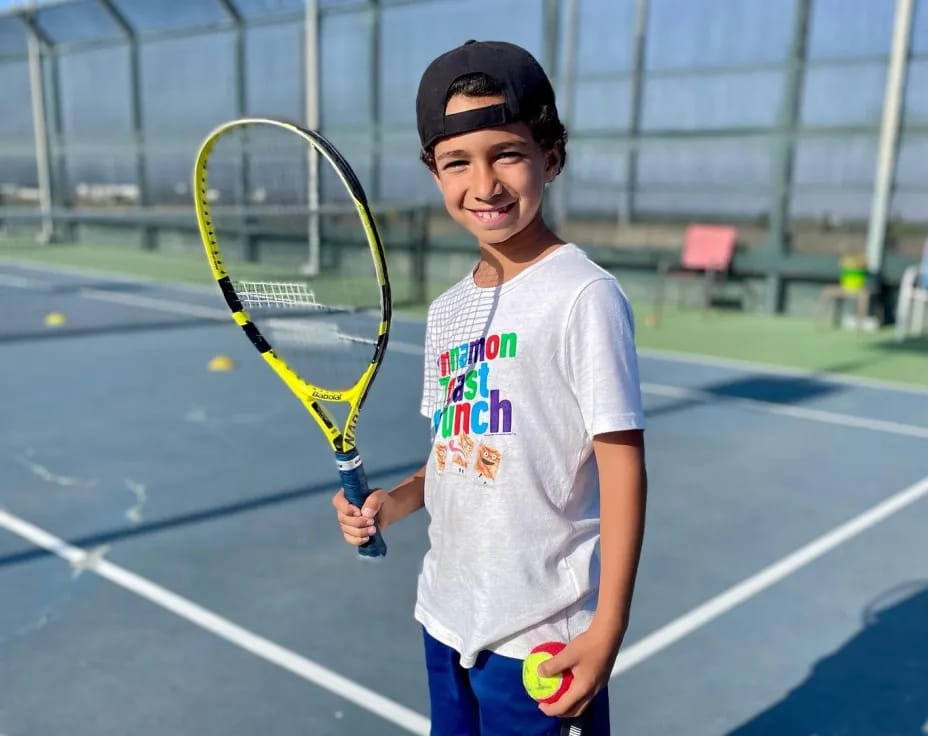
x: 489, y: 700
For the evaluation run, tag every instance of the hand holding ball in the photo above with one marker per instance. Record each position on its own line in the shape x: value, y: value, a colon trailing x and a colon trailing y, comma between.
x: 544, y: 689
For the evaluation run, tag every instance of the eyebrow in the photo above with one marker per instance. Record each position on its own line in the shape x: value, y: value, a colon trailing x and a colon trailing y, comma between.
x: 461, y: 153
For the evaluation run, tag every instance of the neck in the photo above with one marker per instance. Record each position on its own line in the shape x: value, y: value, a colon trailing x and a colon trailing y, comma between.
x: 499, y: 262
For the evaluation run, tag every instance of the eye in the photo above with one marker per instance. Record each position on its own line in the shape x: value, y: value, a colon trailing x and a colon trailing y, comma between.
x: 455, y: 164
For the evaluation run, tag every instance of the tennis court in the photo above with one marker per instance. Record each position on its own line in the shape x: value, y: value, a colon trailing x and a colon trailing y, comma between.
x: 170, y: 562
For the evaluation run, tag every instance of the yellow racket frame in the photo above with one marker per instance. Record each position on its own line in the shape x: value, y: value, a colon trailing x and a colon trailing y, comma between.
x: 341, y: 439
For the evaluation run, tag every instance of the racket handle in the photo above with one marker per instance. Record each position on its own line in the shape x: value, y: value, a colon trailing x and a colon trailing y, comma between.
x: 354, y: 483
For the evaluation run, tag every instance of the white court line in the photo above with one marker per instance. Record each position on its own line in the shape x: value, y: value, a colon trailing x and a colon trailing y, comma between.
x: 164, y: 305
x: 678, y: 356
x: 153, y: 303
x: 131, y: 300
x: 50, y: 268
x: 715, y: 607
x: 21, y: 282
x: 798, y: 412
x: 259, y: 646
x: 404, y: 717
x: 96, y: 273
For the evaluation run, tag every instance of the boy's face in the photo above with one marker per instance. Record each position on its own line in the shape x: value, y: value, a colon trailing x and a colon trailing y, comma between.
x: 492, y: 180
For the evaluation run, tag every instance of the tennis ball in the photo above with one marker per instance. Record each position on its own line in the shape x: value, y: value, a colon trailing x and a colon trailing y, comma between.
x: 55, y: 319
x: 544, y: 689
x: 220, y: 364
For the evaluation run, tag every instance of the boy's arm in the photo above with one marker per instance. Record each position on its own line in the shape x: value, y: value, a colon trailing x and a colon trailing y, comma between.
x: 386, y: 507
x: 622, y: 495
x: 623, y: 491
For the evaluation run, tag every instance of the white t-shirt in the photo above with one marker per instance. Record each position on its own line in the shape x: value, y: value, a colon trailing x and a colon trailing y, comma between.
x: 519, y: 378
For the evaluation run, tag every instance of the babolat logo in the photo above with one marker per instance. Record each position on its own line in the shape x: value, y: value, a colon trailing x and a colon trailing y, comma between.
x: 325, y: 395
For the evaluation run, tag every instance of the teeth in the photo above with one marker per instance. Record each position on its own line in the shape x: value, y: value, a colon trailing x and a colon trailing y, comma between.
x: 490, y: 215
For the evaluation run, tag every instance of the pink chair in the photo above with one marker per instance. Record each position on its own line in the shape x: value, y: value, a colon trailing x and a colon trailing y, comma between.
x: 707, y: 254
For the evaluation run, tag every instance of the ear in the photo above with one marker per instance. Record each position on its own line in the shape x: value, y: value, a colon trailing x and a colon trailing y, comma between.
x: 553, y: 165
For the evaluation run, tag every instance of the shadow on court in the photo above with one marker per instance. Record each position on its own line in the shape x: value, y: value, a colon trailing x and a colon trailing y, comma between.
x: 227, y: 510
x: 769, y: 388
x: 916, y: 345
x: 875, y: 685
x: 776, y: 389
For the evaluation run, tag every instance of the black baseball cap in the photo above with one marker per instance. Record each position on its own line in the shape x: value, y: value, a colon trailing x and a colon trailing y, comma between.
x: 525, y: 88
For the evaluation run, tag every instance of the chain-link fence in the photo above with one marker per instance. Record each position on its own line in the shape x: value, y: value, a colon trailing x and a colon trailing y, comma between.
x: 761, y: 113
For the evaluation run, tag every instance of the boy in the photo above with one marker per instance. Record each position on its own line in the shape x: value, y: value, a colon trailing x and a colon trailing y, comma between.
x: 535, y: 484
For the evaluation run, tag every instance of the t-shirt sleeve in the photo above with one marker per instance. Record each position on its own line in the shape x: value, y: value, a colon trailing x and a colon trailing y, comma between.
x: 601, y: 359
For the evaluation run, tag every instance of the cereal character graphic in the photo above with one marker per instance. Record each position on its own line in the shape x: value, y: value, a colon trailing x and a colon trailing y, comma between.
x: 441, y: 453
x: 461, y: 451
x: 488, y: 460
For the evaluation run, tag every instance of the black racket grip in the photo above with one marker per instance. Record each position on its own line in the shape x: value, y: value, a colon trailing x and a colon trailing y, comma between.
x: 354, y: 483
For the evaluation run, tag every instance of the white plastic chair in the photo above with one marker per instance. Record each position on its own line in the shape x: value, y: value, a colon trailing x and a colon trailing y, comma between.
x: 913, y: 299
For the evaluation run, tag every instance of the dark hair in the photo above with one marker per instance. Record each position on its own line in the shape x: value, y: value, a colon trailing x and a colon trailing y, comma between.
x: 547, y: 130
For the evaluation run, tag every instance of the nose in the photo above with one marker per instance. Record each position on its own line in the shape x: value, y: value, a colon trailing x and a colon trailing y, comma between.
x: 485, y: 185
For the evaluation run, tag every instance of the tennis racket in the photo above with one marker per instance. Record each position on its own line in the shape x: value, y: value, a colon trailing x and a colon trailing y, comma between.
x: 319, y: 318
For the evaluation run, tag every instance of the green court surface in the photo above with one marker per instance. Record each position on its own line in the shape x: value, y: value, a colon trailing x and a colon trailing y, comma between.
x: 793, y: 342
x: 784, y: 341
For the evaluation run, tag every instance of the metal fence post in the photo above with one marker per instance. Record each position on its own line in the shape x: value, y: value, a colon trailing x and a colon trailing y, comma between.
x: 149, y: 240
x: 56, y: 125
x: 566, y: 106
x: 778, y: 237
x: 249, y: 238
x: 311, y: 90
x: 889, y: 137
x: 37, y: 42
x: 376, y: 137
x: 636, y: 98
x: 550, y: 30
x: 420, y: 238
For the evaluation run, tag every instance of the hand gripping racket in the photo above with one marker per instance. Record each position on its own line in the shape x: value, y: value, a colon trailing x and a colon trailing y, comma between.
x: 324, y: 335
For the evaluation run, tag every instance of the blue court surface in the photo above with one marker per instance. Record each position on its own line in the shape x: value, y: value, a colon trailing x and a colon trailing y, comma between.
x: 170, y: 561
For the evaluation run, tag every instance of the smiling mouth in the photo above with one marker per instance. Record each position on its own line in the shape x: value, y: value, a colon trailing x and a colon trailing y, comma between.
x: 493, y: 215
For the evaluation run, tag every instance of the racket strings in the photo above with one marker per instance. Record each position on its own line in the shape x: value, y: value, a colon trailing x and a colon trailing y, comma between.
x: 271, y: 295
x: 275, y: 294
x: 289, y: 316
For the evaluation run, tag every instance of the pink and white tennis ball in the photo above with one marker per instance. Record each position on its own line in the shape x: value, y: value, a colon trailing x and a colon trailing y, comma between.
x: 545, y: 689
